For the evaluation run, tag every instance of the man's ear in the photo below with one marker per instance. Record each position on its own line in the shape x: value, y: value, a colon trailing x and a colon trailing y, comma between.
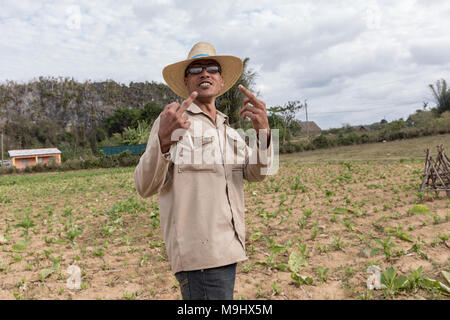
x: 185, y: 81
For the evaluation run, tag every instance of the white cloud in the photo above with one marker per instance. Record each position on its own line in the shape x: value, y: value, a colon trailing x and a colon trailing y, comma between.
x: 374, y: 56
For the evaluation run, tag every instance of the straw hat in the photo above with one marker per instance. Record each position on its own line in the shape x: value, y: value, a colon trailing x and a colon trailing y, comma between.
x: 231, y: 69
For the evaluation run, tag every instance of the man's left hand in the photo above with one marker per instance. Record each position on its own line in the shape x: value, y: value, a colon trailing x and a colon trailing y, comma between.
x: 255, y: 109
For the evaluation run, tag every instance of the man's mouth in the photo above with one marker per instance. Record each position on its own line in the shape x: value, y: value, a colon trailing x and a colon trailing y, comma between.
x: 205, y: 84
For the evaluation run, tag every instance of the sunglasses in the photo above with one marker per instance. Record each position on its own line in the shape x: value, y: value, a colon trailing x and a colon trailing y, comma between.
x: 198, y: 69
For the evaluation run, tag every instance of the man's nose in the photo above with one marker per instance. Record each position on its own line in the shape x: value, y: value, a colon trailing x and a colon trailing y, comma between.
x: 204, y: 72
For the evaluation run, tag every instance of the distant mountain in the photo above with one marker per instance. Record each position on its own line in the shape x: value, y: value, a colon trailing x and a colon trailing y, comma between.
x: 48, y: 111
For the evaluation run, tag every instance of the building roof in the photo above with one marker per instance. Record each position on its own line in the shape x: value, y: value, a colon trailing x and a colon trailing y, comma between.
x: 32, y: 152
x: 309, y: 125
x: 366, y: 128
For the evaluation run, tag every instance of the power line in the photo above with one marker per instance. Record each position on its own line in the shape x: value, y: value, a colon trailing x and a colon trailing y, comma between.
x: 362, y: 110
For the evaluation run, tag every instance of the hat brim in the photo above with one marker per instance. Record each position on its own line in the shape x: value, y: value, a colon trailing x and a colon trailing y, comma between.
x: 231, y: 67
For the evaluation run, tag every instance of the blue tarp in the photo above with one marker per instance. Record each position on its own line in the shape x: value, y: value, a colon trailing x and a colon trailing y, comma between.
x: 135, y: 149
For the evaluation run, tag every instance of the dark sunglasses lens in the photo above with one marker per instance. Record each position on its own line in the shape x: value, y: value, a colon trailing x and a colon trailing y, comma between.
x: 212, y: 69
x: 195, y: 70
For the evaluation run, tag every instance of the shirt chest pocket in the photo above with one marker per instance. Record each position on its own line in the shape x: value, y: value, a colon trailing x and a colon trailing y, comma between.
x: 235, y: 151
x: 197, y: 155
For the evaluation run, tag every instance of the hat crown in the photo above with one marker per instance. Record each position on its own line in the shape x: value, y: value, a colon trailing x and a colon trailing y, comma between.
x: 201, y: 49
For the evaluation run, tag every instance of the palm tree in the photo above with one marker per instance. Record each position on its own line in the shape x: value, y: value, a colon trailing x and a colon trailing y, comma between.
x: 441, y: 95
x: 231, y: 102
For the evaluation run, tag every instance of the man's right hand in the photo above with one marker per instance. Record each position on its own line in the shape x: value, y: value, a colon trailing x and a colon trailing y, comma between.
x: 171, y: 119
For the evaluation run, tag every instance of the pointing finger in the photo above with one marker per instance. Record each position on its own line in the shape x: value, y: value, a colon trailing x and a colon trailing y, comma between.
x: 245, y: 91
x: 186, y: 103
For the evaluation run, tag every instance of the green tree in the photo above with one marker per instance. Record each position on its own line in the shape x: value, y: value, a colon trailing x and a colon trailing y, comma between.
x: 420, y: 119
x: 287, y: 115
x: 441, y: 95
x: 150, y: 112
x: 396, y: 125
x: 296, y: 127
x: 275, y: 121
x: 121, y: 119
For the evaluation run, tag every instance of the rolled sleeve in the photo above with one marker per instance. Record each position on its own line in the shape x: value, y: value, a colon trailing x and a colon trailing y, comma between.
x: 258, y: 161
x: 153, y: 165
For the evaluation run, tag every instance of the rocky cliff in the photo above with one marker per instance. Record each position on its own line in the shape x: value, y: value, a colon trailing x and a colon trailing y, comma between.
x: 44, y: 111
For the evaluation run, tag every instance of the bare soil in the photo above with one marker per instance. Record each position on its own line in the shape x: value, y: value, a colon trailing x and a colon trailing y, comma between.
x: 329, y: 212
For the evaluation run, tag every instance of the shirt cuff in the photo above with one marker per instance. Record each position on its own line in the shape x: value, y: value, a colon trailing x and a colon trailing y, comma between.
x: 166, y: 155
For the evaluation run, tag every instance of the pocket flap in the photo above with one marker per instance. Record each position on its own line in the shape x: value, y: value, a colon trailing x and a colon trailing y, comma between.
x: 197, y: 168
x: 201, y: 140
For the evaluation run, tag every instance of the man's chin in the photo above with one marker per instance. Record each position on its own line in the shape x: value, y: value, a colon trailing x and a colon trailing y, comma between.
x: 206, y: 95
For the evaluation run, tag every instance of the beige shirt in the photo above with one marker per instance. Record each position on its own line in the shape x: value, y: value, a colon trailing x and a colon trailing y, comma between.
x: 200, y: 185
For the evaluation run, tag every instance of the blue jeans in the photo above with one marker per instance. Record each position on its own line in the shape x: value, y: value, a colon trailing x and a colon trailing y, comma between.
x: 208, y: 284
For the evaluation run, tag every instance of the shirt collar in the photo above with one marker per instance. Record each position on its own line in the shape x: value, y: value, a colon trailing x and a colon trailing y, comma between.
x: 220, y: 117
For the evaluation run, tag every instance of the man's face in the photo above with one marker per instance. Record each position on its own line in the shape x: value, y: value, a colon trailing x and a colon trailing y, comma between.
x: 206, y: 84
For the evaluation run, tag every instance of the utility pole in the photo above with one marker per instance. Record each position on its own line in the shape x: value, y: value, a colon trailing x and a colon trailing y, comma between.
x: 2, y: 149
x: 307, y: 124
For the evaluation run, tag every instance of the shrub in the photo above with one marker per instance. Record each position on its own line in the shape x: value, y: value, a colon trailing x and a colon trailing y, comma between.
x: 107, y: 162
x: 8, y: 170
x: 298, y: 146
x: 93, y: 163
x: 72, y: 164
x: 28, y: 169
x: 364, y: 138
x: 321, y: 142
x: 39, y: 168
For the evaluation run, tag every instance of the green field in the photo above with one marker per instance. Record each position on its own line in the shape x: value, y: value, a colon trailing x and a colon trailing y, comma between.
x: 391, y: 150
x: 312, y: 231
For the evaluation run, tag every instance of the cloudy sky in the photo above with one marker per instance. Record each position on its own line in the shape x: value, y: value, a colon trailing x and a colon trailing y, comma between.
x: 355, y: 62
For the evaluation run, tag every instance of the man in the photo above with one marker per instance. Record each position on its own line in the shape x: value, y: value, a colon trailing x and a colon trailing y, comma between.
x: 197, y: 163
